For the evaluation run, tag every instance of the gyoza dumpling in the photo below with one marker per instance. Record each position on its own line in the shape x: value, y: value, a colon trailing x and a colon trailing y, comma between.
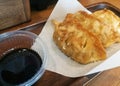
x: 77, y: 42
x: 110, y: 18
x: 102, y: 30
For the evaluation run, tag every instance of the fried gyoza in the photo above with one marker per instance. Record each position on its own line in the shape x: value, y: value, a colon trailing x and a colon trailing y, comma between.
x: 110, y: 18
x: 84, y: 37
x: 77, y: 42
x: 102, y: 30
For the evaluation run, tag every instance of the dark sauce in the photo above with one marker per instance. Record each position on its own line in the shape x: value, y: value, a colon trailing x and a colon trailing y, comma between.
x: 19, y: 65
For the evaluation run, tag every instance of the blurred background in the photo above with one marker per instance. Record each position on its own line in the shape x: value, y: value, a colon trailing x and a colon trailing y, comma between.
x: 41, y: 4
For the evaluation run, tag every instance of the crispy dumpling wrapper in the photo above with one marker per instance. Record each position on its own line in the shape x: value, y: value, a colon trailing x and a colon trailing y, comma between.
x: 84, y: 37
x: 101, y: 29
x: 110, y: 18
x: 77, y: 42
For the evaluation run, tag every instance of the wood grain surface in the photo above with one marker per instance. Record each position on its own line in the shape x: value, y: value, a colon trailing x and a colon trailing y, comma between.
x: 86, y: 3
x: 106, y: 78
x: 13, y: 12
x: 37, y: 21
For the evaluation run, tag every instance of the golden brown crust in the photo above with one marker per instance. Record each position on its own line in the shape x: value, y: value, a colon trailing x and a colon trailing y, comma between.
x: 78, y: 43
x: 110, y: 18
x: 84, y: 37
x: 102, y: 30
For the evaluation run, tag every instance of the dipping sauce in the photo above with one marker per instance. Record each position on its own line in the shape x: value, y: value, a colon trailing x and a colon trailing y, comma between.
x: 19, y: 65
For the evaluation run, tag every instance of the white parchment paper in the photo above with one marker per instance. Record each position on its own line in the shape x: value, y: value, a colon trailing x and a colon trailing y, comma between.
x: 59, y: 62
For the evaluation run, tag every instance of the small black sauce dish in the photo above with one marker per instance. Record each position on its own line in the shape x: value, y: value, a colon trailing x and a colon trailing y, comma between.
x: 21, y: 63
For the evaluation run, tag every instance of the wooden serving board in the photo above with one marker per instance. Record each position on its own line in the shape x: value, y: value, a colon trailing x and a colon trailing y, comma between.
x: 106, y: 78
x: 86, y: 3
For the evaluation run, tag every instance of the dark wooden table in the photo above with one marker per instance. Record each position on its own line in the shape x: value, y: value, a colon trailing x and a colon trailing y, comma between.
x: 105, y: 78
